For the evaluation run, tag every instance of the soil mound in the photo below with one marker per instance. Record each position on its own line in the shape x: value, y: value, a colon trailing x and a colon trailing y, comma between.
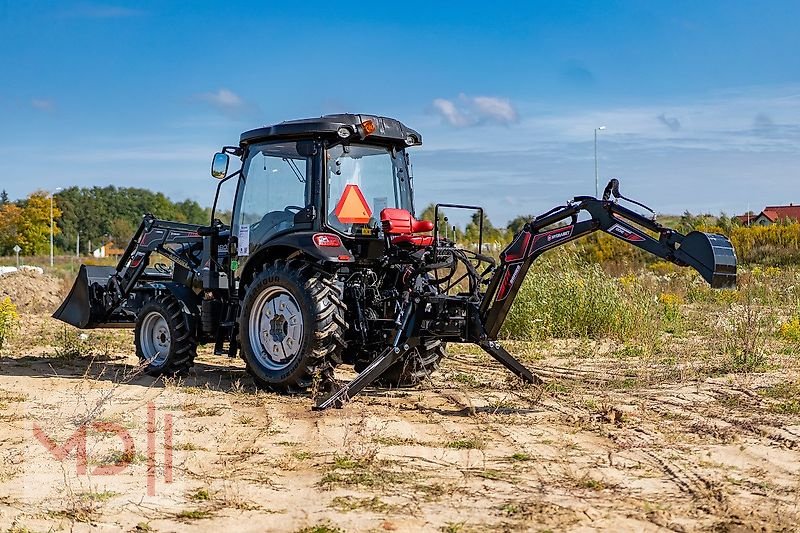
x: 32, y: 292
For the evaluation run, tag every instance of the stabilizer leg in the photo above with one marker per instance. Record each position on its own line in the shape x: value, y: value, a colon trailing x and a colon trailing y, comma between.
x: 388, y: 357
x: 494, y: 349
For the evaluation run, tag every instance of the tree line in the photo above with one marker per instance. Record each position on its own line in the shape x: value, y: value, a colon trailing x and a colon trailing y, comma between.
x: 111, y: 214
x: 98, y: 214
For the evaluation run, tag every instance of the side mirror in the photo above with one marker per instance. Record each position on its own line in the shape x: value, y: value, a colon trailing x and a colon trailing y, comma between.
x: 219, y: 165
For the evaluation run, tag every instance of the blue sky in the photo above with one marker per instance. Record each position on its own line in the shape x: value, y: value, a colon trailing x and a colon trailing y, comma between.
x: 701, y: 100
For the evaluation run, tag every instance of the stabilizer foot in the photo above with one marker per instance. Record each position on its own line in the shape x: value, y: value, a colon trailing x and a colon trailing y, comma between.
x: 494, y: 349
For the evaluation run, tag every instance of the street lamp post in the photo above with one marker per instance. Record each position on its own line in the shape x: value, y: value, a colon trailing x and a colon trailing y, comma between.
x: 596, y: 177
x: 51, y: 225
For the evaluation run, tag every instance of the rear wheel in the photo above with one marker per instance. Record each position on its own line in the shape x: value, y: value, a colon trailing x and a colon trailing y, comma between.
x: 164, y: 341
x: 291, y: 326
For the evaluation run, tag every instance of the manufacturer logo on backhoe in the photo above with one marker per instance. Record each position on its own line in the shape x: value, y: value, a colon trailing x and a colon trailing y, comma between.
x: 558, y: 235
x: 625, y: 233
x: 543, y: 239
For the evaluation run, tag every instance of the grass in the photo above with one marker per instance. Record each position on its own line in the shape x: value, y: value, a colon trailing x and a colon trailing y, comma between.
x: 193, y: 514
x: 565, y: 296
x: 324, y: 527
x: 353, y: 503
x: 200, y: 495
x: 786, y: 396
x: 469, y: 443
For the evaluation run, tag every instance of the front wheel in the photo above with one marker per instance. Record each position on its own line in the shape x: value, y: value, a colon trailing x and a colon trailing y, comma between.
x: 164, y: 341
x: 291, y: 326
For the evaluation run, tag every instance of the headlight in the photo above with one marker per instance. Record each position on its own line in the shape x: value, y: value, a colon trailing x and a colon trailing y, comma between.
x: 344, y: 132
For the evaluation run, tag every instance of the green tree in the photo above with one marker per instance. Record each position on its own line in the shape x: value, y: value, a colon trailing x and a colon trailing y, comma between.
x: 518, y: 223
x: 3, y: 197
x: 10, y: 216
x: 490, y: 233
x: 27, y: 224
x: 428, y: 214
x: 98, y: 211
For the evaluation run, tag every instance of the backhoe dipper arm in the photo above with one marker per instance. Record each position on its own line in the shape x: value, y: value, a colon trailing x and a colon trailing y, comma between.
x: 710, y: 254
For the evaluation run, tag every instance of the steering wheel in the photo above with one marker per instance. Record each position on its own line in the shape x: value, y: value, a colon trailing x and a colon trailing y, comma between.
x: 293, y: 209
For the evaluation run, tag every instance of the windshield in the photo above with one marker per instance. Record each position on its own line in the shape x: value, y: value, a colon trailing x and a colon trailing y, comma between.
x: 275, y: 190
x: 362, y: 180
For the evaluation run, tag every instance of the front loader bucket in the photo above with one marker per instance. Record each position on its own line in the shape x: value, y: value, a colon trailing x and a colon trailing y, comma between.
x: 712, y: 255
x: 79, y: 309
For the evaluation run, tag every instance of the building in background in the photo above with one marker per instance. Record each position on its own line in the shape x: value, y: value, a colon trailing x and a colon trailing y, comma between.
x: 770, y: 215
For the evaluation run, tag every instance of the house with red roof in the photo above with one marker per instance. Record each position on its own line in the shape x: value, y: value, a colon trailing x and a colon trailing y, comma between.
x: 770, y: 215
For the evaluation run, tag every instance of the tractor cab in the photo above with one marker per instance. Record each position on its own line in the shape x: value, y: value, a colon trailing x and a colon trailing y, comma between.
x: 334, y: 175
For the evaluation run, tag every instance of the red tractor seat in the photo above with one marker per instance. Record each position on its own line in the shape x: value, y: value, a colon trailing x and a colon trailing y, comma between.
x: 402, y: 226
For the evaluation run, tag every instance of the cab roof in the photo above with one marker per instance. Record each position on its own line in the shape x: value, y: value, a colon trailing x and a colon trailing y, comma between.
x: 387, y: 130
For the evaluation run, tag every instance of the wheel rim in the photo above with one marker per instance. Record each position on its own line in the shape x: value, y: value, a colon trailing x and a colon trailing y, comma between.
x: 276, y: 328
x: 155, y: 339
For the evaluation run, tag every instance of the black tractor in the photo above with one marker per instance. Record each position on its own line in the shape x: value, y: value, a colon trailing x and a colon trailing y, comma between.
x: 325, y: 264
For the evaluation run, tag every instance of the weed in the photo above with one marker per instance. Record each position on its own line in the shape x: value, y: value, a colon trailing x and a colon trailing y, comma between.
x: 391, y: 440
x: 351, y: 503
x: 790, y: 330
x: 9, y: 319
x: 194, y: 514
x: 70, y: 344
x: 465, y: 379
x: 244, y: 420
x: 470, y: 443
x: 745, y: 330
x: 569, y: 297
x: 188, y: 447
x: 200, y: 494
x: 325, y: 527
x: 521, y: 456
x: 591, y: 483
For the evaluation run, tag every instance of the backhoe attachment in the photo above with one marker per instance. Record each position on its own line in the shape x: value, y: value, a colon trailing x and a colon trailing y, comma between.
x: 477, y: 316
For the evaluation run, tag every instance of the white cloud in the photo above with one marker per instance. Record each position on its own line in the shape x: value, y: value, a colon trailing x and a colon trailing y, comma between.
x: 720, y: 158
x: 223, y: 98
x: 497, y: 109
x: 450, y: 113
x: 43, y: 104
x: 475, y: 110
x: 230, y: 104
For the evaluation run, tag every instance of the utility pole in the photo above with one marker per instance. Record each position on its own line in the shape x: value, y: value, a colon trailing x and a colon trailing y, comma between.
x: 51, y: 225
x: 596, y: 174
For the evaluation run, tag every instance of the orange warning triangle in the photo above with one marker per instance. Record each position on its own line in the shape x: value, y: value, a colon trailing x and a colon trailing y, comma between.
x: 352, y: 207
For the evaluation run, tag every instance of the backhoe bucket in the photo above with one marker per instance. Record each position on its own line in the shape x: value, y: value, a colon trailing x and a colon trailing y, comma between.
x: 79, y: 309
x: 712, y: 255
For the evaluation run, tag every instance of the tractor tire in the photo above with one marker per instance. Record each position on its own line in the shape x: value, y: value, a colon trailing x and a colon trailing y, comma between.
x: 163, y: 336
x: 291, y: 327
x: 411, y: 370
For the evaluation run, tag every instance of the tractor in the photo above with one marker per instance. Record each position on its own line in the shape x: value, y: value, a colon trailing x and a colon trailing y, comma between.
x: 324, y: 264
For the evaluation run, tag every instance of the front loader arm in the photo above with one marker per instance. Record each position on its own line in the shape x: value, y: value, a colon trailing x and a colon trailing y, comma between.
x: 710, y: 254
x: 99, y: 292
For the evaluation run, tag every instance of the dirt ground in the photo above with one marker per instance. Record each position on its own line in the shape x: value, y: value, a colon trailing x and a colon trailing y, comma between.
x: 613, y: 442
